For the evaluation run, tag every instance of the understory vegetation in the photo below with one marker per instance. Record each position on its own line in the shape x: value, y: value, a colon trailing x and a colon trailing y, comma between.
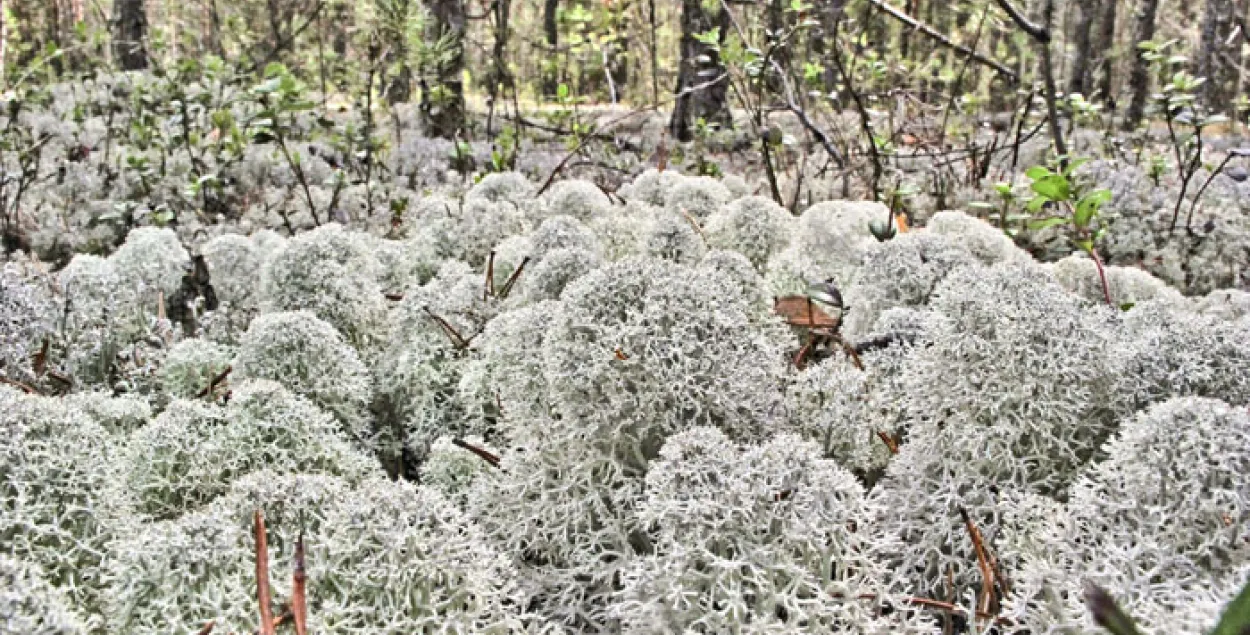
x: 719, y: 317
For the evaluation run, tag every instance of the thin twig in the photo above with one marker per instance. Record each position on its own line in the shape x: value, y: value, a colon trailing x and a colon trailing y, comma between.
x: 486, y: 455
x: 262, y: 575
x: 30, y: 390
x: 299, y: 580
x: 208, y: 628
x: 616, y: 122
x: 507, y: 285
x: 456, y: 339
x: 983, y: 561
x: 214, y: 383
x: 934, y: 35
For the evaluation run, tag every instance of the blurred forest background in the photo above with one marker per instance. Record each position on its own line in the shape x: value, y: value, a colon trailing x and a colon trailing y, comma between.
x: 798, y: 92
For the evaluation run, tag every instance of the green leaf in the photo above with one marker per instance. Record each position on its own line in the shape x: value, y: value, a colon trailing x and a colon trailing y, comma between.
x: 1074, y: 164
x: 1036, y: 203
x: 1236, y: 617
x: 1046, y: 223
x: 1037, y: 172
x: 1054, y: 187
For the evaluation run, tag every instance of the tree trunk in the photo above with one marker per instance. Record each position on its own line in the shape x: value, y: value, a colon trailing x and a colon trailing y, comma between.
x: 1078, y: 81
x: 1216, y: 58
x: 1139, y: 76
x: 1104, y: 61
x: 700, y: 64
x: 130, y: 21
x: 551, y: 31
x: 442, y: 103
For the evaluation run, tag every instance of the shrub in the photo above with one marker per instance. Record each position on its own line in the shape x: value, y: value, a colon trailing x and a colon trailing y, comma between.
x: 30, y: 606
x: 754, y: 226
x: 311, y: 359
x: 1160, y: 524
x: 764, y: 538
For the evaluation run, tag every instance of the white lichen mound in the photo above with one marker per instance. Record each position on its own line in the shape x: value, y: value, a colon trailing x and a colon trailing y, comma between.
x: 638, y: 350
x: 698, y: 197
x: 191, y: 365
x: 151, y: 262
x: 384, y: 557
x: 765, y: 538
x: 30, y: 606
x: 582, y: 200
x: 754, y: 226
x: 1160, y: 524
x: 1015, y: 366
x: 101, y: 314
x: 55, y: 464
x: 334, y: 274
x: 310, y: 358
x: 901, y: 272
x: 1167, y: 351
x: 558, y: 268
x: 1128, y: 285
x: 671, y: 236
x: 561, y: 232
x: 26, y: 313
x: 234, y: 266
x: 828, y: 242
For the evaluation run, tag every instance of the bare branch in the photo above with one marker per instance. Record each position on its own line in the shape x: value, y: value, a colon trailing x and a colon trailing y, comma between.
x: 945, y: 41
x: 1039, y: 33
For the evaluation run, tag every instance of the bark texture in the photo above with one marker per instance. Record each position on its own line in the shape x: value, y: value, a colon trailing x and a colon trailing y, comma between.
x: 700, y: 64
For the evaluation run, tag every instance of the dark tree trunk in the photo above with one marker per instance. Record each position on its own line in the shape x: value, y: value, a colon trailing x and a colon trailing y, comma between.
x: 700, y: 64
x: 1079, y: 80
x: 551, y: 31
x: 213, y: 17
x: 1218, y: 54
x: 130, y: 21
x: 776, y: 29
x: 1139, y: 76
x: 442, y: 94
x: 1104, y: 62
x: 823, y: 42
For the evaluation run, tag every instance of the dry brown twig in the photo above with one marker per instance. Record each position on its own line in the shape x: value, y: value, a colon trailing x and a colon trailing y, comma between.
x: 267, y: 626
x: 988, y: 603
x: 299, y: 601
x: 486, y: 455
